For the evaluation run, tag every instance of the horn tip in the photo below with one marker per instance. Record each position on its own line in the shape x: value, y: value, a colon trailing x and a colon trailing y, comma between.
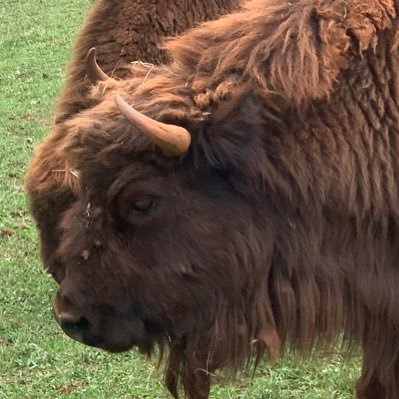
x: 94, y: 72
x: 118, y: 99
x: 91, y: 54
x: 122, y: 105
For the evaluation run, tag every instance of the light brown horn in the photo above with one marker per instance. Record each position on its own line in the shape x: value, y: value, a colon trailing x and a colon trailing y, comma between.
x: 171, y: 139
x: 94, y: 72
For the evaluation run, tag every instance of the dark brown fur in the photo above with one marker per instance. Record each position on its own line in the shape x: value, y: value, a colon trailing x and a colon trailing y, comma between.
x: 282, y: 217
x: 122, y: 32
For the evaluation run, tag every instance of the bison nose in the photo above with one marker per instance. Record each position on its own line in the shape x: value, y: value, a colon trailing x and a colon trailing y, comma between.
x: 67, y: 313
x: 73, y: 326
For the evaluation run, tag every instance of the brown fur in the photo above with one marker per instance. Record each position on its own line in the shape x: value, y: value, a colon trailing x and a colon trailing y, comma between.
x: 128, y: 31
x: 122, y: 32
x: 281, y: 222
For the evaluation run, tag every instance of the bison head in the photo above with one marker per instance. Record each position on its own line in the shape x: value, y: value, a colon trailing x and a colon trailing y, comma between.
x: 161, y: 244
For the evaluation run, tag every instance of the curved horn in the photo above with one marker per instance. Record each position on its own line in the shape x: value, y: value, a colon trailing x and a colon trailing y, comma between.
x: 94, y: 72
x: 171, y: 139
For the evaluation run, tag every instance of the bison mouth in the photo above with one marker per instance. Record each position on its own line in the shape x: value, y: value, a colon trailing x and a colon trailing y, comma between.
x: 112, y: 334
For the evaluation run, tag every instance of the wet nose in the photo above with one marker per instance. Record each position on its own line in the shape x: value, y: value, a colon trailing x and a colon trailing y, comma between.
x: 73, y: 326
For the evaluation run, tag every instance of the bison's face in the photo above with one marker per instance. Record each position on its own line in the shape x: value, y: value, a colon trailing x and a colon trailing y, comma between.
x: 152, y: 253
x: 160, y: 244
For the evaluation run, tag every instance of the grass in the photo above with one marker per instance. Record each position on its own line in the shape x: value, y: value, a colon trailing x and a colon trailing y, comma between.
x: 36, y: 359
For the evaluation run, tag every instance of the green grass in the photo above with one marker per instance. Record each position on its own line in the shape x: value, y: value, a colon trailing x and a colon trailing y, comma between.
x: 36, y: 359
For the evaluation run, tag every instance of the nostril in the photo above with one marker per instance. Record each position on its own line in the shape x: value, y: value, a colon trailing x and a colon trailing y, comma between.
x: 74, y: 327
x: 79, y: 325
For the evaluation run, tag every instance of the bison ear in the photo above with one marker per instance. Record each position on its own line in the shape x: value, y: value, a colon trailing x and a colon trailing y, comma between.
x: 313, y: 43
x: 291, y: 50
x: 310, y: 51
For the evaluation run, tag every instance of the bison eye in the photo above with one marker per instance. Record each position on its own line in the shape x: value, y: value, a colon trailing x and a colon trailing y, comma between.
x: 143, y: 206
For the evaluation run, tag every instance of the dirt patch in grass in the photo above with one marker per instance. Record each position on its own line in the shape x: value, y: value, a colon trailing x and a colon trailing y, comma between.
x: 5, y: 232
x: 75, y: 386
x: 4, y: 342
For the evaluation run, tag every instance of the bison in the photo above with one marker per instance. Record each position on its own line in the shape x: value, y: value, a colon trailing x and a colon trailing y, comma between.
x: 244, y: 199
x: 123, y: 32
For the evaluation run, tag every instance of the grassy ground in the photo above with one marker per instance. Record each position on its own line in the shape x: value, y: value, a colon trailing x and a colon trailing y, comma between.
x: 36, y: 359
